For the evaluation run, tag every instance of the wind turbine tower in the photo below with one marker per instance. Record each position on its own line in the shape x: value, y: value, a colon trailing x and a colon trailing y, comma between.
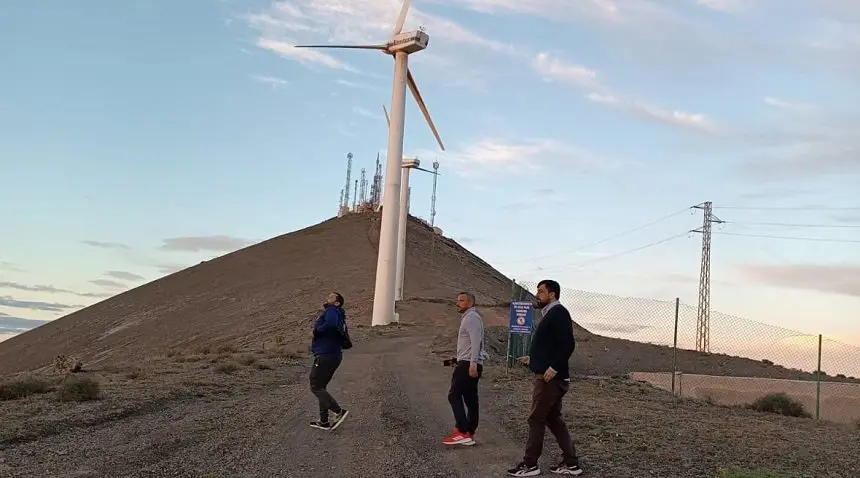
x: 400, y: 46
x: 405, y: 199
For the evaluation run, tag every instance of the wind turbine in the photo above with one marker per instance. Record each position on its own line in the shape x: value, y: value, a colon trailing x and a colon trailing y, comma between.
x: 400, y: 46
x: 405, y: 166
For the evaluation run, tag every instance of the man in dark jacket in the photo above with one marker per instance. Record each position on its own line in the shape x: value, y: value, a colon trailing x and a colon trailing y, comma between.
x: 328, y: 353
x: 552, y: 345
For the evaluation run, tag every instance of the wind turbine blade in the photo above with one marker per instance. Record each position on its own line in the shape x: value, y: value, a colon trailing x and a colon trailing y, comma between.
x: 350, y: 47
x: 401, y: 19
x: 387, y: 120
x: 426, y: 170
x: 414, y: 88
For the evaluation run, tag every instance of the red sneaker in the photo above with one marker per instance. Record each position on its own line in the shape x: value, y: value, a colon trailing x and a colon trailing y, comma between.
x: 458, y: 438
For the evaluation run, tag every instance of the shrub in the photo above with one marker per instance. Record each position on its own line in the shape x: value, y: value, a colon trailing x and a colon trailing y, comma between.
x: 247, y: 359
x: 750, y: 474
x: 228, y: 367
x: 23, y: 387
x: 781, y: 404
x: 65, y: 364
x: 78, y: 389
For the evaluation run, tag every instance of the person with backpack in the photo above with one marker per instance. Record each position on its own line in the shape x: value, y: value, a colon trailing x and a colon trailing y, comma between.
x: 330, y: 338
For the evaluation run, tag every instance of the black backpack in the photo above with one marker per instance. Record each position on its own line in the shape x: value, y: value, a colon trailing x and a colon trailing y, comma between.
x: 345, y: 341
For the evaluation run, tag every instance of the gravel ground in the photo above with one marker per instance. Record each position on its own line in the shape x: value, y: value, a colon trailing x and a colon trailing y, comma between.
x: 178, y: 416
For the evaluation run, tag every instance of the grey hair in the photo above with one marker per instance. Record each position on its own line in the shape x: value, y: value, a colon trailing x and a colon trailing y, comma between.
x: 469, y: 296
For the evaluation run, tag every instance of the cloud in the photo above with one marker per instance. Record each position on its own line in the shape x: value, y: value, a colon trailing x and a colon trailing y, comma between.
x: 618, y: 328
x: 696, y: 121
x: 216, y: 243
x: 847, y: 218
x: 788, y: 105
x: 841, y: 279
x: 272, y: 81
x: 106, y: 245
x: 283, y: 24
x: 496, y: 155
x: 725, y: 6
x: 109, y: 284
x: 49, y: 289
x: 353, y: 84
x: 587, y: 79
x: 808, y: 142
x: 10, y: 267
x: 303, y: 55
x: 168, y: 269
x: 554, y: 69
x: 366, y: 113
x: 124, y: 275
x: 8, y: 301
x: 16, y: 325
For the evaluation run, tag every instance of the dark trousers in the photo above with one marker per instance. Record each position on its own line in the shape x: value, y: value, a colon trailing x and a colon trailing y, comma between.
x: 321, y: 373
x: 546, y: 413
x: 463, y: 396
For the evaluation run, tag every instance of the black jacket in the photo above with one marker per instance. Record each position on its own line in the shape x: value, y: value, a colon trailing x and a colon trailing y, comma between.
x: 553, y: 343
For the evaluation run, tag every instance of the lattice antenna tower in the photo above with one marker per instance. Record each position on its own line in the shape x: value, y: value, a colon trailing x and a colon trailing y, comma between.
x: 703, y: 314
x: 346, y: 188
x: 340, y: 204
x: 362, y: 192
x: 355, y: 196
x: 377, y: 181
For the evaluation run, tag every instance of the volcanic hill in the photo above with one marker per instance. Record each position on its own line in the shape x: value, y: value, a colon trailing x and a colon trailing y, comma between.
x: 273, y: 289
x: 204, y: 373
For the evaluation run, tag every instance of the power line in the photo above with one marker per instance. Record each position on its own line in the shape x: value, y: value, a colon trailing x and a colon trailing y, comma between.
x: 806, y: 208
x: 619, y: 254
x: 814, y: 239
x: 782, y: 224
x: 605, y: 239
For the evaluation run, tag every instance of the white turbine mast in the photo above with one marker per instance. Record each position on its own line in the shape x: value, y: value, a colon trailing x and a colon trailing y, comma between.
x: 400, y: 46
x: 406, y: 165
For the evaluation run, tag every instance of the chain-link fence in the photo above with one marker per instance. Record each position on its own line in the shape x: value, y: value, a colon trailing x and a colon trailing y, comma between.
x: 744, y: 362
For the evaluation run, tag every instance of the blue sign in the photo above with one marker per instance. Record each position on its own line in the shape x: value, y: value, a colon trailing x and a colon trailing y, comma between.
x: 522, y: 315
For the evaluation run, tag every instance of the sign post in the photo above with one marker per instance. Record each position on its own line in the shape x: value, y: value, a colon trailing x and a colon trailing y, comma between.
x: 520, y: 325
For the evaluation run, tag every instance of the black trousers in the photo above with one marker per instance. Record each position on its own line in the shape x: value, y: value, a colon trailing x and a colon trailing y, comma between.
x: 321, y: 373
x: 463, y: 397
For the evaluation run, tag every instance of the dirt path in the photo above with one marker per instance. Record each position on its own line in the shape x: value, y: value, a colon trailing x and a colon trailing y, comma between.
x: 396, y: 394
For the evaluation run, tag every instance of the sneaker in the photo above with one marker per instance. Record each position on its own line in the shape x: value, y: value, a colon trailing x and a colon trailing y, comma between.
x: 321, y: 425
x: 564, y: 469
x: 524, y: 470
x: 458, y: 438
x: 339, y: 418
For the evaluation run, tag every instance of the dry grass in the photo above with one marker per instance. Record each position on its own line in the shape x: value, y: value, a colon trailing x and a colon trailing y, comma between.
x: 25, y: 386
x: 228, y: 367
x: 74, y: 388
x: 627, y: 428
x: 750, y: 474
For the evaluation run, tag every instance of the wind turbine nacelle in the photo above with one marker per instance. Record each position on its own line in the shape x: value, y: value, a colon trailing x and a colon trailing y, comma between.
x: 410, y: 163
x: 409, y: 42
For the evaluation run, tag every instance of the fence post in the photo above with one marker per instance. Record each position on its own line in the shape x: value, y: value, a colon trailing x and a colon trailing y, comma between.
x: 675, y: 346
x: 818, y: 383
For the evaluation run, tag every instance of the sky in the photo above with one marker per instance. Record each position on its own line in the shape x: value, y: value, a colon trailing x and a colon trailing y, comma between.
x: 138, y: 138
